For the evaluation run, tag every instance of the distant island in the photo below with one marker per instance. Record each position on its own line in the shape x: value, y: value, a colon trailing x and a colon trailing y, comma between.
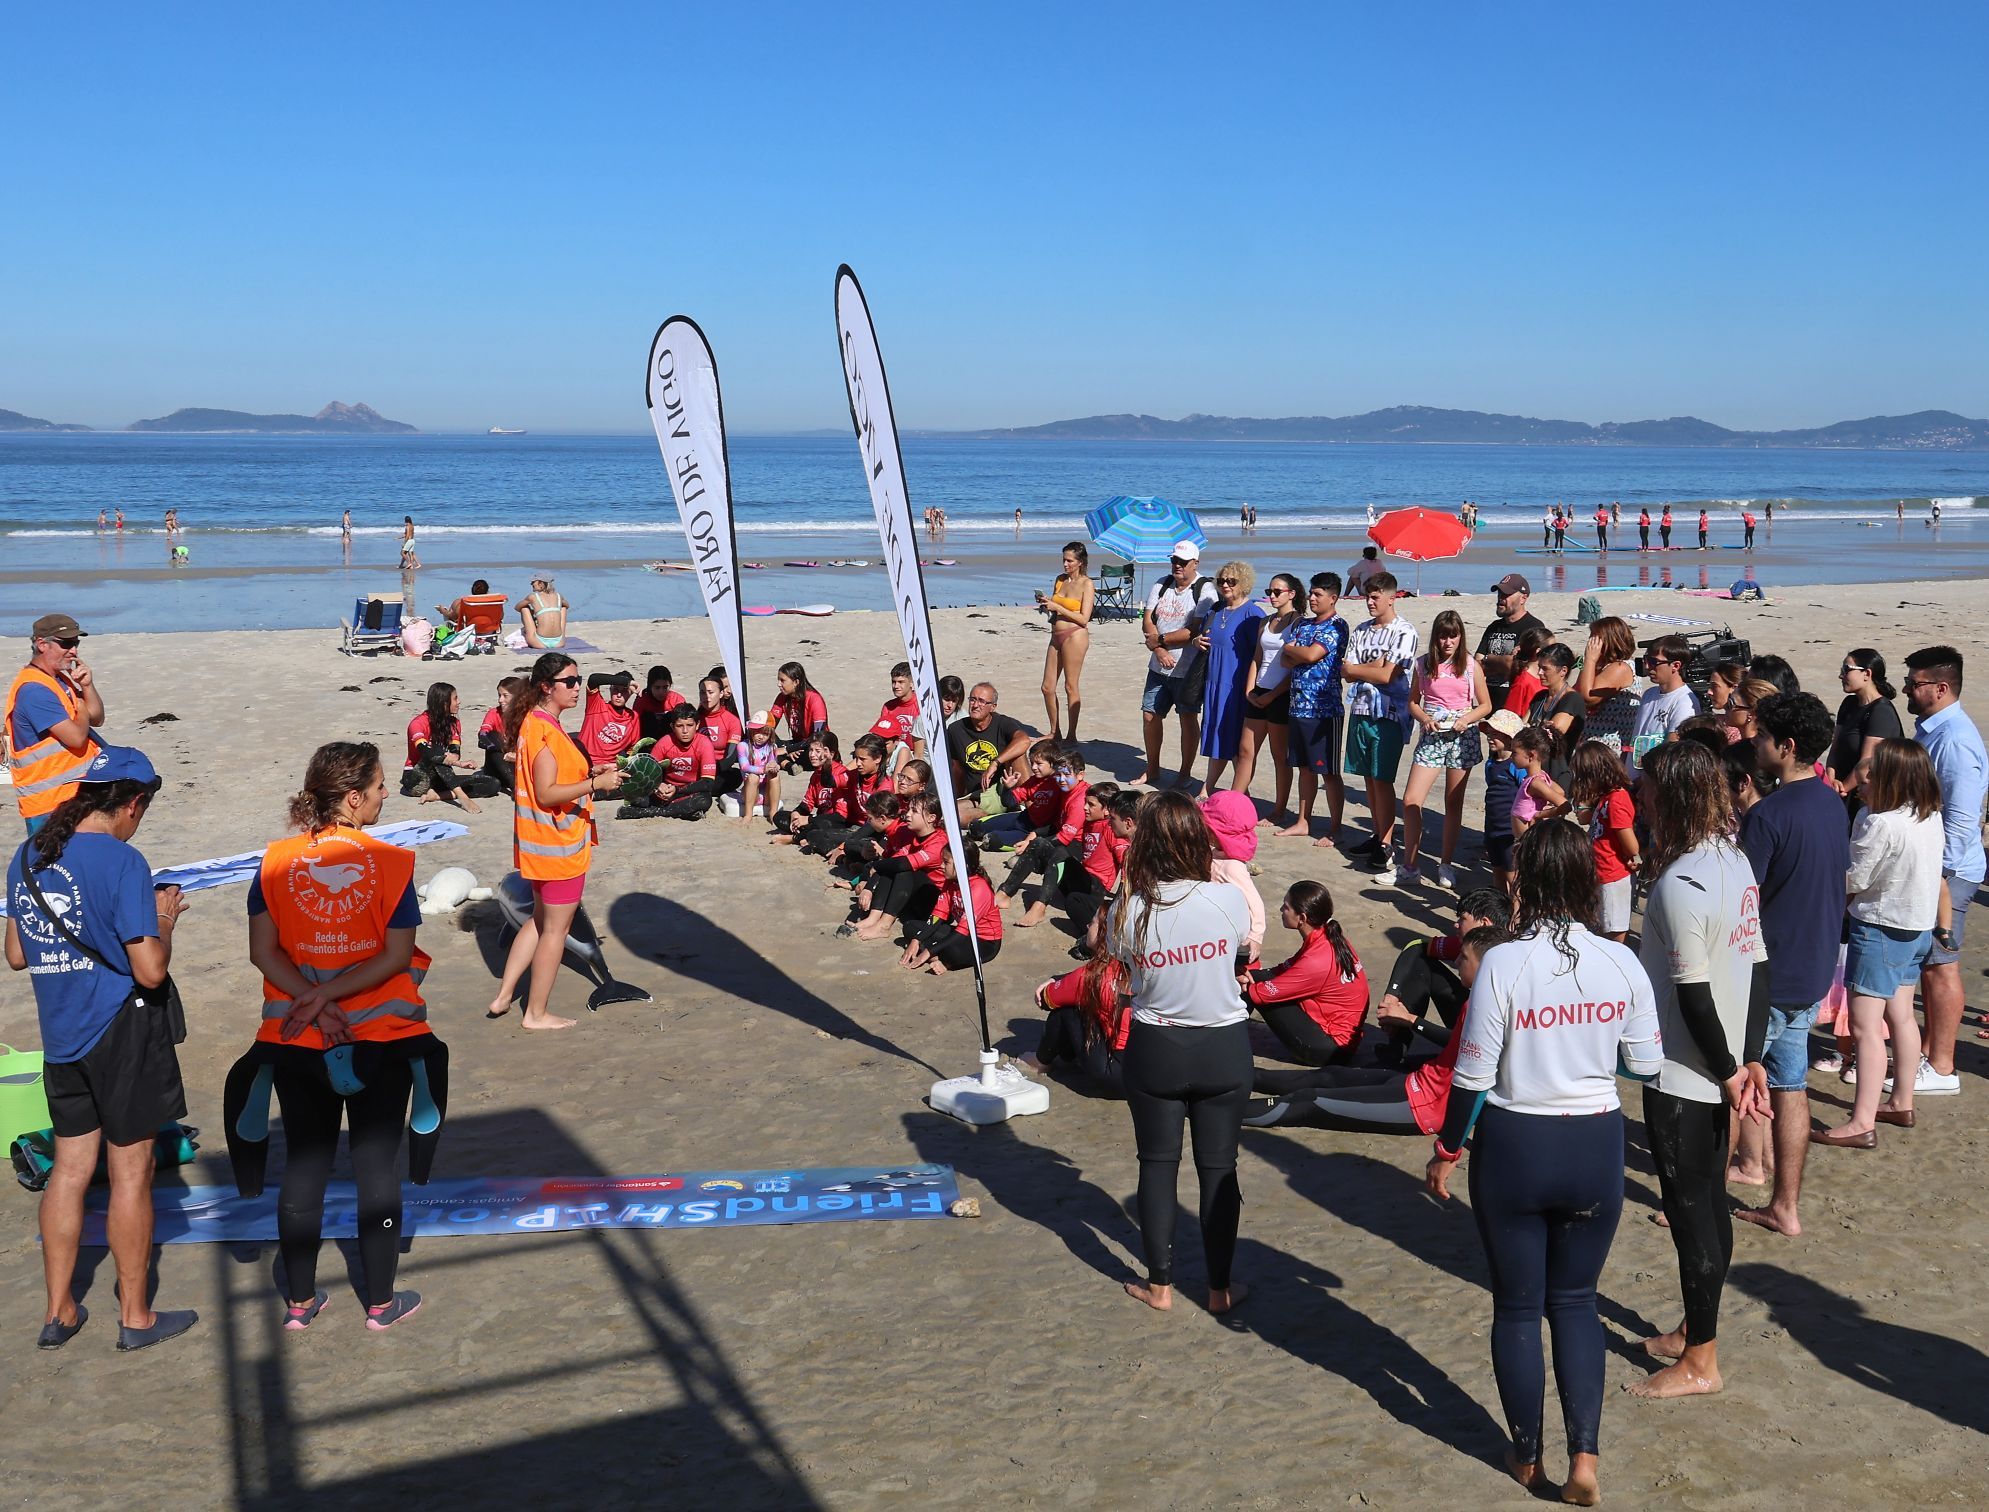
x: 1411, y: 424
x: 14, y: 420
x: 334, y: 419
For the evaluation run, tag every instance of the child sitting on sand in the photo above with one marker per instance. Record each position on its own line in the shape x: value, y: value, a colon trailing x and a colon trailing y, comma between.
x: 802, y: 707
x: 904, y: 882
x: 758, y: 760
x: 654, y: 703
x: 1088, y: 1022
x: 609, y: 727
x: 690, y: 772
x: 847, y: 817
x: 1232, y: 821
x: 942, y: 944
x: 1060, y: 799
x: 498, y: 763
x: 1316, y: 1002
x: 823, y: 793
x: 1080, y: 883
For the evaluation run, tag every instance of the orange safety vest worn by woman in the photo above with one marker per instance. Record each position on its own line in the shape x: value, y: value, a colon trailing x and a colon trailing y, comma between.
x: 47, y: 772
x: 332, y: 894
x: 550, y: 843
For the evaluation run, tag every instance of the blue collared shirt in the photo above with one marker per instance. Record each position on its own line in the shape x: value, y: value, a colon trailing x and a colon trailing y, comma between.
x: 1954, y: 745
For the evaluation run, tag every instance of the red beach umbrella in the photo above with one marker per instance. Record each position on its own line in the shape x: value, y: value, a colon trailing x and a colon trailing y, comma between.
x: 1419, y: 534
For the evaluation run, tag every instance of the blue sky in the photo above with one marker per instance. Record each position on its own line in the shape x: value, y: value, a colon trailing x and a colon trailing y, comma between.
x: 1765, y: 215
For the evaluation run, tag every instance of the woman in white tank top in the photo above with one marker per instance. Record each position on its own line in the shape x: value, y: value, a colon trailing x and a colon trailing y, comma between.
x: 1267, y: 694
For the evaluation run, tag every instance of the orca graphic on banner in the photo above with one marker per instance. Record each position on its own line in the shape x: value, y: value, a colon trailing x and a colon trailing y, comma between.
x: 884, y: 471
x: 689, y: 417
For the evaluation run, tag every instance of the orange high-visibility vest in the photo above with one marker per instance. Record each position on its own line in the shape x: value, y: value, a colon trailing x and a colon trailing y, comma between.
x: 331, y: 894
x: 550, y: 841
x: 47, y: 772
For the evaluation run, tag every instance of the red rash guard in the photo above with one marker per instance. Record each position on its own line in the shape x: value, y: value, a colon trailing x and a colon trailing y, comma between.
x: 987, y: 916
x: 1312, y: 979
x: 685, y: 763
x: 1067, y: 991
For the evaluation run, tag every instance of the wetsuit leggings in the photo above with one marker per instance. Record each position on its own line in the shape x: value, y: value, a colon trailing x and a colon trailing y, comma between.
x: 906, y: 895
x: 500, y: 769
x: 1203, y: 1076
x: 376, y: 1115
x: 1071, y: 1034
x: 1351, y: 1099
x: 1300, y: 1034
x: 1546, y: 1193
x: 951, y: 947
x: 1689, y: 1145
x: 1076, y: 891
x: 1042, y: 854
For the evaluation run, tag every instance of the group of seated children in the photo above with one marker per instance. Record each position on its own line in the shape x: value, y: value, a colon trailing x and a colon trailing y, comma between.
x: 435, y: 770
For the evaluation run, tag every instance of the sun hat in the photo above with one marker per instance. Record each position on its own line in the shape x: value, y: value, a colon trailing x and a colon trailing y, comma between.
x: 1506, y: 723
x: 1232, y: 818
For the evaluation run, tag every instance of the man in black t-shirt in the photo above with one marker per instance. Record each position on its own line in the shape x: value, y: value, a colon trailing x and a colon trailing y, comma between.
x: 1501, y: 637
x: 978, y: 747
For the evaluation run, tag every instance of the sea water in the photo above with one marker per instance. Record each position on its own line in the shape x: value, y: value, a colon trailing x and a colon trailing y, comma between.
x: 261, y: 515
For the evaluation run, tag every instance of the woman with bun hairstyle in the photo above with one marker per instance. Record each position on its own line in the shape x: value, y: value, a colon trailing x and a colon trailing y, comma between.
x: 332, y: 920
x: 552, y: 830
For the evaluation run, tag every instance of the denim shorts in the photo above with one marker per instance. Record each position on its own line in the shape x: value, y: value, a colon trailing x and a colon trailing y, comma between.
x: 1960, y: 894
x: 1786, y: 1057
x: 1879, y: 961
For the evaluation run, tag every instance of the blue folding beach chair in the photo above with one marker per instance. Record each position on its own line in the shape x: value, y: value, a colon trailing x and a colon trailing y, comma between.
x: 375, y: 626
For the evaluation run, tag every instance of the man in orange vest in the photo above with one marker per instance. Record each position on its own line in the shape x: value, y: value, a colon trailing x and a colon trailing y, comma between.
x: 52, y: 706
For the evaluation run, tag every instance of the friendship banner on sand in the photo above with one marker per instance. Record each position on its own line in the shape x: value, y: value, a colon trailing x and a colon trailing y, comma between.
x: 689, y: 417
x: 550, y: 1205
x: 884, y: 470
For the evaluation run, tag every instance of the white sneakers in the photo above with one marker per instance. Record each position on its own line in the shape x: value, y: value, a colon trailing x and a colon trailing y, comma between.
x: 1928, y: 1082
x: 1446, y: 878
x: 1406, y: 876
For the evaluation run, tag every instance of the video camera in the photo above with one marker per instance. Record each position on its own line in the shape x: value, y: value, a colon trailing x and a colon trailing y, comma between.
x: 1709, y: 648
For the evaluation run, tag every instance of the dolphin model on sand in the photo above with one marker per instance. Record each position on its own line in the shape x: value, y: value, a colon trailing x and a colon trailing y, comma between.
x: 583, y: 945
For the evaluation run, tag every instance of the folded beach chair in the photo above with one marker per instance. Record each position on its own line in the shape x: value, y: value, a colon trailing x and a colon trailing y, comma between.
x: 1116, y: 597
x: 375, y: 626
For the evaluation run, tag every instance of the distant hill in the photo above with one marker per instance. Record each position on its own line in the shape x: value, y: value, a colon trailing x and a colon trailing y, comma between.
x: 334, y: 419
x: 1929, y: 430
x: 14, y: 420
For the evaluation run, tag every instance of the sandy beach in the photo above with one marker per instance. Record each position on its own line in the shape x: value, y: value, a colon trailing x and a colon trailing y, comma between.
x: 990, y: 1361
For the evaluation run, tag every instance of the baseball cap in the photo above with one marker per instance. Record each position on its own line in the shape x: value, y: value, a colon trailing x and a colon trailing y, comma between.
x: 763, y: 720
x: 116, y: 763
x: 58, y: 627
x: 1512, y: 582
x: 1186, y: 551
x: 543, y: 577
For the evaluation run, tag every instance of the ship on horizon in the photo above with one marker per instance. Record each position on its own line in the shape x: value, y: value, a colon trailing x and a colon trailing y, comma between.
x: 498, y: 430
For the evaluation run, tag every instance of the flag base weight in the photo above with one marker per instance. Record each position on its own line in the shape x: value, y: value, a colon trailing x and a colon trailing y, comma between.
x: 997, y: 1094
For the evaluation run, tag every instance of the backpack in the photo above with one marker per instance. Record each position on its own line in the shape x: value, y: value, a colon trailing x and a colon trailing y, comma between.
x: 1589, y: 610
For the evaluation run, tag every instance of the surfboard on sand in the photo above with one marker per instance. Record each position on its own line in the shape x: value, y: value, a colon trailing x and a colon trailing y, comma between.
x: 762, y: 610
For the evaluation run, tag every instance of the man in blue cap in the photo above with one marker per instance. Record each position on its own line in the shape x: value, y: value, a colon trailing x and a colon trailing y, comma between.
x: 96, y: 939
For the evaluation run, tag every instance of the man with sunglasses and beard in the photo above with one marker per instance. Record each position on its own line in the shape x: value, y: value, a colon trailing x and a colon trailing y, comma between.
x: 51, y: 708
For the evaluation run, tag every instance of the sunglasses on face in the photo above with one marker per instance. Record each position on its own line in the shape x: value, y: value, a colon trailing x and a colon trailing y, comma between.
x: 66, y: 642
x: 567, y: 682
x: 1226, y: 582
x: 1277, y: 592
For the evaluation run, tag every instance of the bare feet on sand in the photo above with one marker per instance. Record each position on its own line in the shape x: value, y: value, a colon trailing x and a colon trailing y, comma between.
x: 1772, y: 1219
x: 546, y: 1021
x: 1581, y: 1489
x: 1159, y: 1298
x: 1666, y: 1346
x: 1222, y: 1301
x: 1530, y: 1475
x: 1675, y: 1380
x: 1740, y: 1175
x: 1297, y: 827
x: 1035, y: 914
x: 498, y: 1008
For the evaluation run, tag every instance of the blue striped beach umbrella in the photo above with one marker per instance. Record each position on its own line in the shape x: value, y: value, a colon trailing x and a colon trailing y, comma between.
x: 1142, y: 529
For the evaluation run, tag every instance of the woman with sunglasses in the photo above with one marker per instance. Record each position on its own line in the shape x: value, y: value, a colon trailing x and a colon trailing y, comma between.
x: 1229, y: 640
x: 552, y: 836
x: 1267, y: 692
x: 1741, y: 704
x: 1864, y: 718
